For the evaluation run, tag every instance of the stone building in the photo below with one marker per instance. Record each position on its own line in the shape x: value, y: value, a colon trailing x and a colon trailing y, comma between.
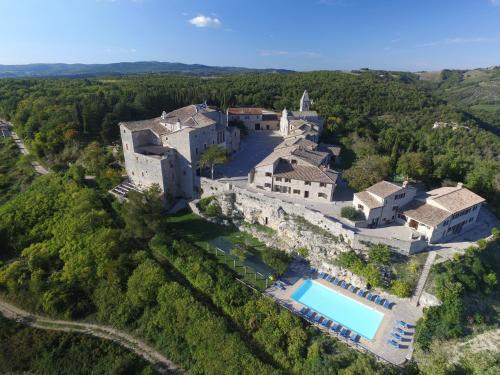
x: 166, y: 150
x: 380, y: 202
x: 299, y: 166
x: 435, y: 214
x: 254, y: 119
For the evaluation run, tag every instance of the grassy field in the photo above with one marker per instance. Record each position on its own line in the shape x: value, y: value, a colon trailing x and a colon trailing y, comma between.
x: 255, y: 267
x: 487, y: 107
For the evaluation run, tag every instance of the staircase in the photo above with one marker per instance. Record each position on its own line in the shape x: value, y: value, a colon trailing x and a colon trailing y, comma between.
x: 123, y: 189
x: 423, y: 277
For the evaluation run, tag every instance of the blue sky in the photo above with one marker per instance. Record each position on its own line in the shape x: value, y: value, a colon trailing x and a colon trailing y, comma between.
x: 294, y: 34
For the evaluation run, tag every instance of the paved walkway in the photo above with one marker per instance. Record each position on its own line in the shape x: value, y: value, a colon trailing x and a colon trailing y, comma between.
x: 162, y: 364
x: 423, y: 277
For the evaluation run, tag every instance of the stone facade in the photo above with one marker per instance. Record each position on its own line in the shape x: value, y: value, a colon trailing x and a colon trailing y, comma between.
x: 166, y: 150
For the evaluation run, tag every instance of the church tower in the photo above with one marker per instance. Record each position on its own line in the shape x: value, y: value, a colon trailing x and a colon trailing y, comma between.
x: 305, y: 102
x: 284, y: 123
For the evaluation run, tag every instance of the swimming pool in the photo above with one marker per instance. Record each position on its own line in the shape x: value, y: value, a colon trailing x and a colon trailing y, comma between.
x: 342, y: 309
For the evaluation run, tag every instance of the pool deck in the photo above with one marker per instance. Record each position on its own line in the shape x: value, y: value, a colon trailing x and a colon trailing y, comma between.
x: 402, y: 309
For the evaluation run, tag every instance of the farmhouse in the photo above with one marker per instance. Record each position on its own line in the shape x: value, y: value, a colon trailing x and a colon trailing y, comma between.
x: 435, y: 214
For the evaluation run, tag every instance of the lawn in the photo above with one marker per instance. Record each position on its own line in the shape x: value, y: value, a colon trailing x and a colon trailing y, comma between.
x: 259, y: 261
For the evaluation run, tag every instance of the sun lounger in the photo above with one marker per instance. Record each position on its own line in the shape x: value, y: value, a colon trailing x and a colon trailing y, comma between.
x: 326, y: 322
x: 321, y: 274
x: 361, y: 293
x: 344, y: 332
x: 399, y: 330
x: 318, y: 318
x: 354, y: 337
x: 328, y: 278
x: 387, y: 304
x: 377, y: 300
x: 381, y: 301
x: 403, y: 324
x: 351, y: 288
x: 335, y: 327
x: 303, y: 310
x: 394, y: 343
x: 336, y: 281
x: 310, y: 314
x: 369, y: 296
x: 395, y: 335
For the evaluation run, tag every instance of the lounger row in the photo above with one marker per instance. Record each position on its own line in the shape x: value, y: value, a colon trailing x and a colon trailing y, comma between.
x: 360, y: 292
x: 399, y: 334
x: 336, y: 328
x: 374, y: 298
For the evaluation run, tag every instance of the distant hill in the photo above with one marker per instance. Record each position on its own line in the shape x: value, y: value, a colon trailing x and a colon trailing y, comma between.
x: 479, y: 88
x: 122, y: 68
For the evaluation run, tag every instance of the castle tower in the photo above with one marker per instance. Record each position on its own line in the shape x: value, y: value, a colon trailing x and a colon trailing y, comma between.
x: 305, y: 102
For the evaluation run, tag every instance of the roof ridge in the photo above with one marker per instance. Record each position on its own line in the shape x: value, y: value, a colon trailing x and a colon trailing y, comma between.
x: 451, y: 191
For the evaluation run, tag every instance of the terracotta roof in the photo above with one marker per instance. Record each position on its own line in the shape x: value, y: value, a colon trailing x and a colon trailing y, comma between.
x: 368, y: 200
x: 189, y: 116
x: 315, y: 158
x: 297, y: 141
x: 302, y: 173
x: 304, y: 114
x: 333, y: 149
x: 245, y: 111
x: 425, y: 213
x: 383, y: 189
x: 275, y: 155
x: 454, y: 199
x: 151, y: 124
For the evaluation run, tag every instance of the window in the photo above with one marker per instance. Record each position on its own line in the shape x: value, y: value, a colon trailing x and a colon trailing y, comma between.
x: 321, y: 195
x: 307, y: 183
x: 268, y: 174
x: 247, y: 117
x: 287, y: 180
x: 278, y: 178
x: 294, y: 161
x: 295, y: 191
x: 395, y: 208
x: 267, y: 185
x: 124, y: 130
x: 142, y: 174
x: 196, y: 150
x: 470, y: 220
x: 446, y: 223
x: 322, y: 184
x: 126, y: 146
x: 361, y: 207
x: 205, y: 146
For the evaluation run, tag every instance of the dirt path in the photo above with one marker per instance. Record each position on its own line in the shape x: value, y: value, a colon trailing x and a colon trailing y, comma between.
x: 162, y: 364
x: 7, y: 131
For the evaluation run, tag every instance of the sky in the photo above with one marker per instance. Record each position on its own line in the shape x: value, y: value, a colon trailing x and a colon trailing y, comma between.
x: 408, y: 35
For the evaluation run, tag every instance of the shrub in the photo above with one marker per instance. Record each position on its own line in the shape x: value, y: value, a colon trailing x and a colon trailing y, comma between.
x: 213, y: 210
x: 401, y: 288
x: 205, y: 202
x: 352, y: 214
x: 303, y: 251
x: 495, y: 232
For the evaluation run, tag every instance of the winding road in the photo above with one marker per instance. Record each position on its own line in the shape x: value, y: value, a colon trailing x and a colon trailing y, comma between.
x: 161, y: 364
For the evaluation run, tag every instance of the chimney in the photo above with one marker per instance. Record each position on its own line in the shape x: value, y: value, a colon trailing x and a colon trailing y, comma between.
x: 460, y: 185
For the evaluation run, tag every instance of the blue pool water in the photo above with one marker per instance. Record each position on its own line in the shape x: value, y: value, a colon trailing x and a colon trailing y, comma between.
x: 335, y: 306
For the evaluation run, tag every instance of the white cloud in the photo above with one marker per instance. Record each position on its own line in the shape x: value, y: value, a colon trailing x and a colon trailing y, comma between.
x: 205, y: 21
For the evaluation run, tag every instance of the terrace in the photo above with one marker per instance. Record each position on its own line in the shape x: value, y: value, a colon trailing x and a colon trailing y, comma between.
x: 379, y: 345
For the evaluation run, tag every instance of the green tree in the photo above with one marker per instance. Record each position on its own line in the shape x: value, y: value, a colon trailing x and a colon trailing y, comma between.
x: 413, y: 165
x: 143, y: 213
x: 401, y: 288
x: 379, y: 254
x: 368, y: 171
x: 213, y: 156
